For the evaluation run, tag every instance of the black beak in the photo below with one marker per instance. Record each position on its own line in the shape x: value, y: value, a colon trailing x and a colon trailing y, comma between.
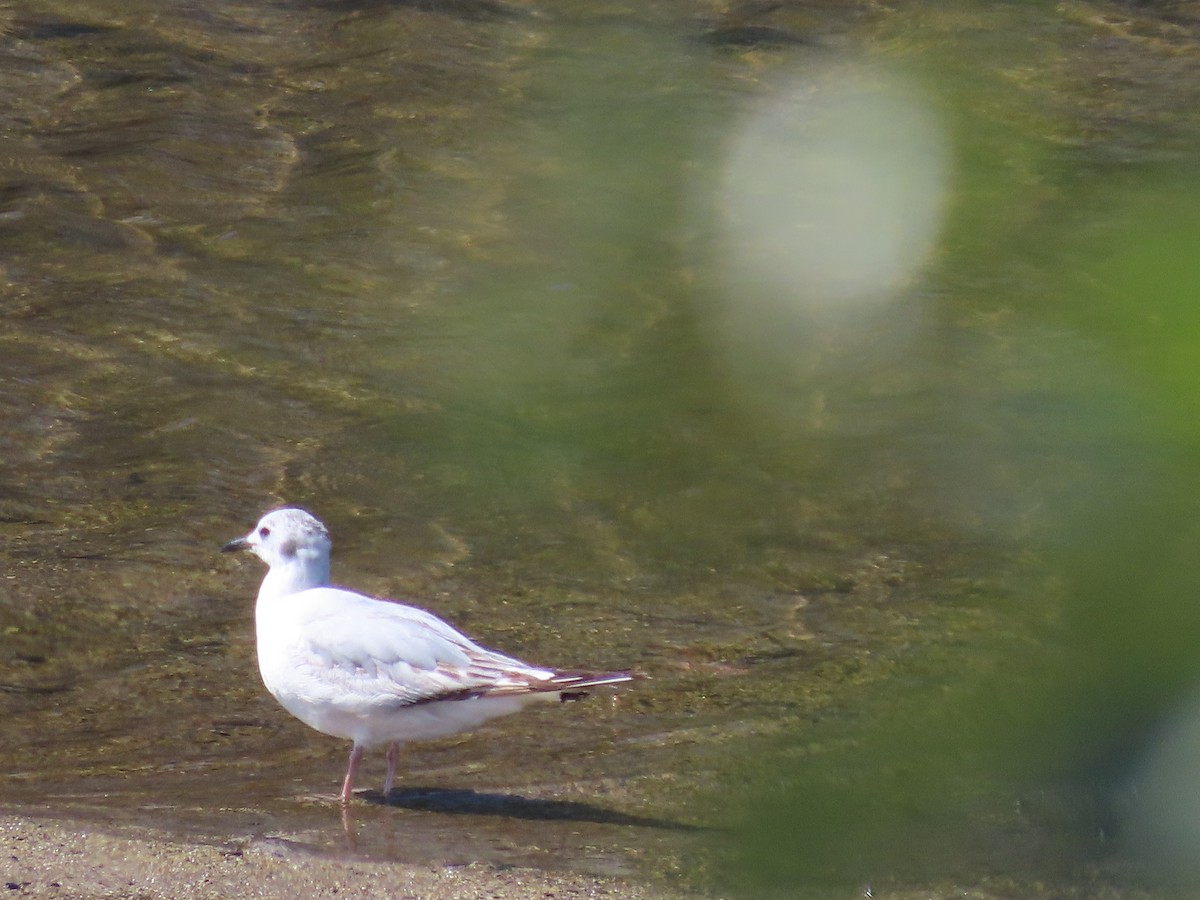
x: 236, y: 544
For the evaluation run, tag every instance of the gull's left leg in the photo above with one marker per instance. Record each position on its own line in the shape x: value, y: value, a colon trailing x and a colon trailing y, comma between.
x: 392, y: 754
x: 348, y: 785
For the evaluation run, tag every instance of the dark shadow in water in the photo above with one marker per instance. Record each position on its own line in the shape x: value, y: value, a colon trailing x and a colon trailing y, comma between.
x: 468, y: 802
x: 469, y: 10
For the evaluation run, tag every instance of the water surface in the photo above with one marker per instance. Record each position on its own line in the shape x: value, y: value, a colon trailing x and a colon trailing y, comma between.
x: 458, y: 278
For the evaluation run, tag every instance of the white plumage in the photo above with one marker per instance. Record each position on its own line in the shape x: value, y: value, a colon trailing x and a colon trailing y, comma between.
x: 375, y: 671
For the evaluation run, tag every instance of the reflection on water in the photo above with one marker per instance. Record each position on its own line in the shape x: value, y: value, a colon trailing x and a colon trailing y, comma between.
x: 451, y: 276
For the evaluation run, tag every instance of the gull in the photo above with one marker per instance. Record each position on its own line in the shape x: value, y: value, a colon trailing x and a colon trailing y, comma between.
x: 376, y: 671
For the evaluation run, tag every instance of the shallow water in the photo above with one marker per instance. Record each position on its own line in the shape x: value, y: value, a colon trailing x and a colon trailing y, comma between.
x: 477, y: 284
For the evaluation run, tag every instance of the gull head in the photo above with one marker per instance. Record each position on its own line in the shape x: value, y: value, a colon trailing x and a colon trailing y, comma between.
x: 288, y: 538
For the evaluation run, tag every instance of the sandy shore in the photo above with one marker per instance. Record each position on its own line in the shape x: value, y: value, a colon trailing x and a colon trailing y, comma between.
x: 44, y: 859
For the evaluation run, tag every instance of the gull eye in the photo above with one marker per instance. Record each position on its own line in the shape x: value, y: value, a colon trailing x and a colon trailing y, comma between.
x: 264, y: 532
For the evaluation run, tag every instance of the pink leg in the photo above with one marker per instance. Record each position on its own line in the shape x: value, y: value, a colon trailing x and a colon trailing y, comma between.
x: 348, y: 785
x: 392, y: 755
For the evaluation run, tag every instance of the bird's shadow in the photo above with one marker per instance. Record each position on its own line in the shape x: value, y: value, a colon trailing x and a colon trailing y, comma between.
x: 467, y: 802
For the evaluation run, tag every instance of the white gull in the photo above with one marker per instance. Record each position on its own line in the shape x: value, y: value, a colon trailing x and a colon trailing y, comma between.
x: 375, y: 671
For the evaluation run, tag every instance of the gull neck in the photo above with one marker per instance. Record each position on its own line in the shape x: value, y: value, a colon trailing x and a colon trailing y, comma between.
x: 307, y: 569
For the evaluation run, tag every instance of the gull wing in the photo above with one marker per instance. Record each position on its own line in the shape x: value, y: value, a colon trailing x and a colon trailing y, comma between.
x: 388, y: 654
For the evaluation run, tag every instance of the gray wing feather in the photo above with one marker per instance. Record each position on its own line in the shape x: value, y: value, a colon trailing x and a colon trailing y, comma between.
x: 383, y: 653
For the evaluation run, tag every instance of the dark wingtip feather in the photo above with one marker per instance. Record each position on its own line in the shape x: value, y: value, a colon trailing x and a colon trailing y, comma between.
x: 570, y: 685
x: 573, y: 680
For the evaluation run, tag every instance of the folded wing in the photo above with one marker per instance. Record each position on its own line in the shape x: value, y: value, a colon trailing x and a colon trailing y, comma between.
x: 362, y: 652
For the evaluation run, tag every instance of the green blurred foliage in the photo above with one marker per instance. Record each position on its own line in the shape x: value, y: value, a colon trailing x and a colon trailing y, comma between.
x: 1010, y: 760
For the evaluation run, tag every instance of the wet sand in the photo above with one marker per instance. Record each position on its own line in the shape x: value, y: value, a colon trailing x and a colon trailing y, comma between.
x: 45, y: 859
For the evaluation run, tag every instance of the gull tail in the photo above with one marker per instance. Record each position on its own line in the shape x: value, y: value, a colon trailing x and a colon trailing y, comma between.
x: 571, y: 685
